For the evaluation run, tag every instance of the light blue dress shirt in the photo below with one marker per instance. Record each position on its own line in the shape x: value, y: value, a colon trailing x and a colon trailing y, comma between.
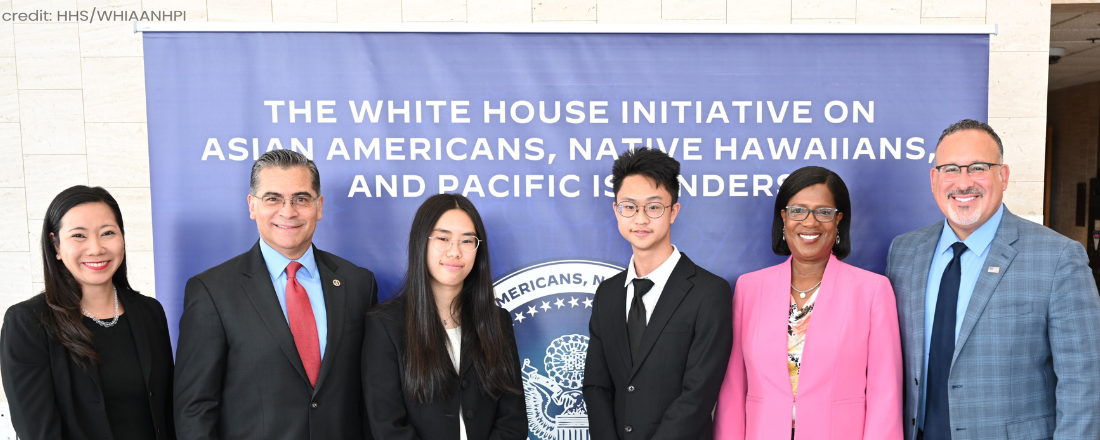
x: 973, y: 258
x: 308, y: 277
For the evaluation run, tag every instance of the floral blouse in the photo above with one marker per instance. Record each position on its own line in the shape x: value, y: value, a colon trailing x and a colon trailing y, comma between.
x: 797, y: 323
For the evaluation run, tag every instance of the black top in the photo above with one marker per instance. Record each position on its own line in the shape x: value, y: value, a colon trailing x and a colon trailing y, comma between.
x: 124, y: 393
x: 394, y: 415
x: 52, y: 397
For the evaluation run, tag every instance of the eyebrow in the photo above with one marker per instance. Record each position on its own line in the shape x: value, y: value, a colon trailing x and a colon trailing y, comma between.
x: 470, y: 234
x: 81, y: 228
x: 654, y: 198
x: 299, y: 193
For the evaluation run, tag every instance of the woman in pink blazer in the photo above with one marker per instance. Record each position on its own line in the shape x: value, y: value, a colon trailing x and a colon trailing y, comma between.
x: 816, y: 349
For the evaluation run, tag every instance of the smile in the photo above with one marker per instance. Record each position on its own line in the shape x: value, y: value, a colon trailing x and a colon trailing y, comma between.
x: 287, y: 227
x: 965, y: 199
x: 98, y: 265
x: 451, y: 266
x: 809, y: 237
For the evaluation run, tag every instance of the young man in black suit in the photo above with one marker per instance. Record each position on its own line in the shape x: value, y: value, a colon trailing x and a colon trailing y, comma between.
x: 270, y: 341
x: 661, y: 331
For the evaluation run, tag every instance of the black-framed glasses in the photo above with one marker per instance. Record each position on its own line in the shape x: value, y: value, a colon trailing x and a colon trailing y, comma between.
x: 652, y: 209
x: 298, y: 201
x: 466, y: 243
x: 799, y: 213
x: 976, y: 170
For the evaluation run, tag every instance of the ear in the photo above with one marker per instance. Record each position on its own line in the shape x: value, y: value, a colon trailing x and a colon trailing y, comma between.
x: 1004, y: 177
x: 252, y: 206
x: 673, y: 211
x: 932, y: 180
x: 56, y: 244
x: 320, y: 206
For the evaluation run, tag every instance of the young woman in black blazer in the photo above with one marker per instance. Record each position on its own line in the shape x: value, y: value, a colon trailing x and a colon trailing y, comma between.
x: 440, y: 361
x: 89, y: 358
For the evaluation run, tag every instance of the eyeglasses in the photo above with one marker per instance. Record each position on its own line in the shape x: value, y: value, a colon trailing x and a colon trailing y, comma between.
x: 799, y: 213
x: 976, y: 170
x: 466, y: 243
x: 652, y: 209
x: 280, y: 201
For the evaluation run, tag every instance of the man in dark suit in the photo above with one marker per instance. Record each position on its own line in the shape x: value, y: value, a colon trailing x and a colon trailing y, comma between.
x: 661, y: 331
x: 270, y: 341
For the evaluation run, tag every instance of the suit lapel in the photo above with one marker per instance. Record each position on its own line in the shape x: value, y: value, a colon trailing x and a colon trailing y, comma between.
x: 257, y: 286
x: 673, y: 293
x: 464, y: 361
x: 824, y: 327
x: 922, y: 256
x: 773, y: 318
x: 335, y: 298
x: 141, y: 328
x: 616, y: 318
x: 1001, y: 254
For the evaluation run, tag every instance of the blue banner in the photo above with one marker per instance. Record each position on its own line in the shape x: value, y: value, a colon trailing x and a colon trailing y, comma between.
x: 527, y: 126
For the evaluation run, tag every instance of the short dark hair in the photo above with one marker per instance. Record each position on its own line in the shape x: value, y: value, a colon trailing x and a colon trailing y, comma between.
x: 284, y: 159
x: 970, y: 124
x: 798, y: 181
x: 651, y: 163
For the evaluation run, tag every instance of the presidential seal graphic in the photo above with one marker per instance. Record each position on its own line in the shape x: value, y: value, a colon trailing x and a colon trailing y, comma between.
x: 550, y: 304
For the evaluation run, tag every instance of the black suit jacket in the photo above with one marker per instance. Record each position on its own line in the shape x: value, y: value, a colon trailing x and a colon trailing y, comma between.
x: 394, y: 416
x: 670, y: 392
x: 52, y: 397
x: 238, y: 372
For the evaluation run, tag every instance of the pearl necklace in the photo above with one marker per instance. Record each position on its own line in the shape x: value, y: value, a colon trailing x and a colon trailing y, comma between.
x: 101, y: 322
x: 802, y: 293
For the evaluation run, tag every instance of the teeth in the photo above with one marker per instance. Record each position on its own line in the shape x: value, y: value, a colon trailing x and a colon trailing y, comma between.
x: 965, y: 199
x: 96, y: 265
x: 809, y: 237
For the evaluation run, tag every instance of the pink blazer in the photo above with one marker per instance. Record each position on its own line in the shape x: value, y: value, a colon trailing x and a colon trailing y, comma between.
x: 849, y: 387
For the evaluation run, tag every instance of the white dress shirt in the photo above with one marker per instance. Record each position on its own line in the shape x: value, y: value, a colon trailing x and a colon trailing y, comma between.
x: 454, y: 349
x: 659, y: 277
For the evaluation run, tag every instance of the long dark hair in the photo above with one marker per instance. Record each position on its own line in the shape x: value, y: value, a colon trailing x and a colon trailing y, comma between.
x: 796, y: 182
x: 63, y: 292
x: 484, y: 337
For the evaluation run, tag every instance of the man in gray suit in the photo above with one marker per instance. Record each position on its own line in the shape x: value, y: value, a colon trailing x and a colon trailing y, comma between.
x: 1000, y: 317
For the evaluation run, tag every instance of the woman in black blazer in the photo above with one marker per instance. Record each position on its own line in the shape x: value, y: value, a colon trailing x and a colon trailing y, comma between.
x: 440, y: 361
x: 89, y: 358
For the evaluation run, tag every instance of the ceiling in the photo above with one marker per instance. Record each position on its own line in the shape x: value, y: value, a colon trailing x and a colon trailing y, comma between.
x: 1081, y: 64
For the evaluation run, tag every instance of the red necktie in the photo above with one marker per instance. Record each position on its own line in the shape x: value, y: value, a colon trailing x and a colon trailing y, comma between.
x: 302, y: 324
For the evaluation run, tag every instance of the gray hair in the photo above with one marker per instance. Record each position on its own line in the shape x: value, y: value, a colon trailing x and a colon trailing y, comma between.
x: 284, y: 159
x: 970, y: 124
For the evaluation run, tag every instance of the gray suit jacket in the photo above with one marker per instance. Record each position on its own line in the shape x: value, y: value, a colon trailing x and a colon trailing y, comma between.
x: 1027, y: 360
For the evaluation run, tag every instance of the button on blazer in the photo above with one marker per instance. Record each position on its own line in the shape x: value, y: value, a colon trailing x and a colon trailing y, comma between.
x: 238, y: 372
x: 52, y: 397
x: 669, y: 393
x: 394, y: 416
x: 849, y: 386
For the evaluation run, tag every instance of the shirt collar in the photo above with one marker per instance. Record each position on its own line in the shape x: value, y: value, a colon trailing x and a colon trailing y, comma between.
x: 276, y: 262
x: 659, y: 275
x: 978, y: 241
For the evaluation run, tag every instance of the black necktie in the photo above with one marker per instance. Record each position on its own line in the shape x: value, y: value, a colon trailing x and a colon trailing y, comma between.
x: 635, y: 320
x: 937, y: 408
